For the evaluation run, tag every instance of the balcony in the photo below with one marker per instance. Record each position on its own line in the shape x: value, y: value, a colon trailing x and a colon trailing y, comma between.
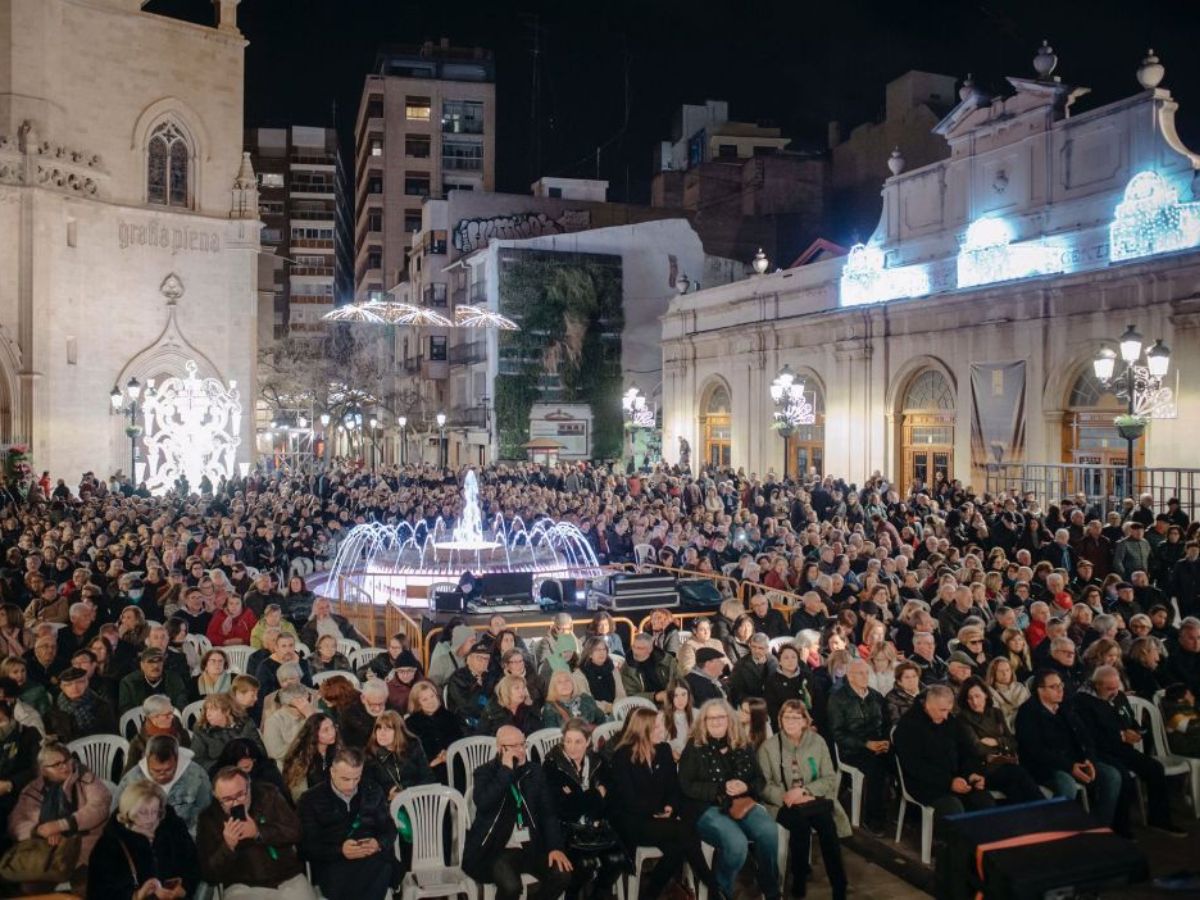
x: 312, y: 270
x: 467, y: 354
x: 467, y: 417
x: 311, y: 243
x: 462, y: 163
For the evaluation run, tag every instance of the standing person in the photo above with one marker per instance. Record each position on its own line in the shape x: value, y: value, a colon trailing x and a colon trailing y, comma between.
x: 720, y: 778
x: 578, y: 780
x: 801, y: 792
x: 856, y: 722
x: 515, y: 831
x: 247, y: 841
x: 646, y: 803
x: 145, y: 852
x: 348, y: 832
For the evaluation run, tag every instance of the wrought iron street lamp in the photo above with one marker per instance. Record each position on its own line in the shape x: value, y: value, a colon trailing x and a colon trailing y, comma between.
x: 133, y: 391
x: 402, y: 421
x: 374, y: 423
x: 443, y: 454
x: 792, y: 408
x: 1140, y: 384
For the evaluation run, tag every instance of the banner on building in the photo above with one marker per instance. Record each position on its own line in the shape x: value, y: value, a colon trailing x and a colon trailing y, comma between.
x: 997, y: 412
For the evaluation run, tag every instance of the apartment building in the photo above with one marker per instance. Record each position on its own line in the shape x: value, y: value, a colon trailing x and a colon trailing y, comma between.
x: 426, y: 126
x: 304, y: 207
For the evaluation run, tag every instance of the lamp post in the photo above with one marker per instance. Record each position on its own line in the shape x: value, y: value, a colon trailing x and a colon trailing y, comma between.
x: 1140, y: 383
x: 133, y: 390
x: 402, y: 421
x: 443, y: 453
x: 792, y: 408
x: 374, y: 424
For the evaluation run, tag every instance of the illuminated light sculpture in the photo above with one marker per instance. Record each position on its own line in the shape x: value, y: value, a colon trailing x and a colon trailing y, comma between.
x: 354, y: 312
x: 192, y: 428
x: 988, y: 255
x: 467, y: 316
x: 792, y: 408
x: 407, y: 314
x: 1151, y: 219
x: 638, y: 413
x: 866, y: 279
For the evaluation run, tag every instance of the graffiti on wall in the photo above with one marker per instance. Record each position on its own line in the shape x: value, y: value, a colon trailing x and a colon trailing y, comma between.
x: 473, y: 234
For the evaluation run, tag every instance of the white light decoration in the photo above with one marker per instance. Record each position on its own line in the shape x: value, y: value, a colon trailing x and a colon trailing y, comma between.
x: 467, y: 316
x: 192, y: 428
x: 407, y: 314
x: 359, y: 313
x: 988, y: 255
x: 639, y: 414
x: 792, y: 407
x: 866, y: 279
x: 1151, y: 219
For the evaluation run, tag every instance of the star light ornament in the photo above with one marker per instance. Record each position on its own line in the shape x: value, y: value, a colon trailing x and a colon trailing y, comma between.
x: 407, y: 314
x: 467, y: 316
x: 866, y: 278
x: 639, y: 414
x: 359, y: 313
x: 988, y: 255
x: 1151, y: 219
x: 192, y: 428
x: 792, y: 406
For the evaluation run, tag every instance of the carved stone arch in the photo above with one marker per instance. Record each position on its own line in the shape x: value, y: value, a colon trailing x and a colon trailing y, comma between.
x: 715, y: 423
x: 1061, y: 382
x: 189, y: 122
x: 10, y: 395
x: 710, y: 387
x: 809, y: 376
x: 169, y: 352
x: 898, y: 387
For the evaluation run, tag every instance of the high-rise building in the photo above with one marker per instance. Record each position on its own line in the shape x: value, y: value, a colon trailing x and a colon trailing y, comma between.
x: 304, y: 205
x: 426, y: 126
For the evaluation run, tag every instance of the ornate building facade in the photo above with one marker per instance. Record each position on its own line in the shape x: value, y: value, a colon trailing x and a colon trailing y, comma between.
x: 130, y: 216
x: 963, y: 332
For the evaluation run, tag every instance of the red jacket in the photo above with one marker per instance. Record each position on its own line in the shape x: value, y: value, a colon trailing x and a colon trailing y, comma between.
x: 239, y: 631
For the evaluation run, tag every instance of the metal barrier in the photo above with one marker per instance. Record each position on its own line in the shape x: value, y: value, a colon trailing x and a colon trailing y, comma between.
x: 784, y: 601
x: 397, y: 621
x: 358, y: 607
x: 541, y: 625
x: 1103, y: 486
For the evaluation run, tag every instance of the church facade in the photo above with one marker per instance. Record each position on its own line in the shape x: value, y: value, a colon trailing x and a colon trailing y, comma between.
x: 130, y: 223
x: 961, y: 336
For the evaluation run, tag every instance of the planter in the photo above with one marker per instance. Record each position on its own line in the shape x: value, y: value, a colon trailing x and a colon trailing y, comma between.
x: 1130, y: 427
x: 133, y: 431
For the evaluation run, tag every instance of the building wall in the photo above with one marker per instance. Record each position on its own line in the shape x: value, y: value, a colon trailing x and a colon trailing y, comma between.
x: 81, y: 86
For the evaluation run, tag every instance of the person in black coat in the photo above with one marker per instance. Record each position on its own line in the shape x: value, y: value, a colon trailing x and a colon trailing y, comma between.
x: 349, y: 833
x: 516, y: 829
x: 145, y: 850
x: 937, y: 771
x: 750, y: 673
x: 434, y: 726
x: 1184, y: 580
x: 578, y: 780
x: 19, y: 747
x: 1114, y: 729
x: 704, y: 681
x: 766, y: 620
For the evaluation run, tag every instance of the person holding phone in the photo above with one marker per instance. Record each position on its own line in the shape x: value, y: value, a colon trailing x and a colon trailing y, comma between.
x: 145, y: 852
x: 516, y: 830
x: 247, y: 840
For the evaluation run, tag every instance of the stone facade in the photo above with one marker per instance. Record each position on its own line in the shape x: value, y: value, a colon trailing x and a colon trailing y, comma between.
x: 100, y: 283
x: 915, y: 327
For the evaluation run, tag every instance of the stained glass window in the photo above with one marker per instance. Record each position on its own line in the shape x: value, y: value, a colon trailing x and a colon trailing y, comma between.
x: 167, y: 166
x: 929, y: 390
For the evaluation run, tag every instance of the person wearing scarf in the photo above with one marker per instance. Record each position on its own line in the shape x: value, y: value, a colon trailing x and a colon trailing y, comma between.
x: 79, y: 711
x: 603, y: 682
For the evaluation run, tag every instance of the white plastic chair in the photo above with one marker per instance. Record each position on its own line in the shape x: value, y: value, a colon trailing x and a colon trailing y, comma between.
x: 429, y: 875
x: 602, y: 733
x: 541, y: 742
x: 857, y: 780
x: 131, y: 722
x: 333, y: 673
x: 623, y: 706
x: 191, y: 713
x: 364, y: 656
x: 348, y: 647
x: 238, y: 655
x: 1161, y: 750
x: 200, y: 643
x: 926, y: 817
x: 99, y: 753
x: 473, y: 752
x: 644, y: 553
x: 780, y: 642
x: 709, y: 852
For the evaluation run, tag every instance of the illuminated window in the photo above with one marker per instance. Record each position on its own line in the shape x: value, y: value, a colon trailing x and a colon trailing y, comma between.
x: 417, y: 109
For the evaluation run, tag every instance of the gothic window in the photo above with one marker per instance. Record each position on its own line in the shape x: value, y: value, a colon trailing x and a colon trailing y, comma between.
x: 929, y: 390
x: 168, y: 159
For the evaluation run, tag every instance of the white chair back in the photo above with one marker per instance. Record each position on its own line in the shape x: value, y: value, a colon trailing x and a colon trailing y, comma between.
x: 542, y: 742
x: 364, y: 656
x: 238, y: 656
x: 200, y: 643
x: 624, y: 705
x: 604, y: 733
x: 100, y: 752
x: 427, y: 807
x: 191, y: 714
x: 471, y: 752
x: 332, y: 673
x: 780, y: 642
x: 131, y: 722
x: 644, y: 553
x: 346, y: 647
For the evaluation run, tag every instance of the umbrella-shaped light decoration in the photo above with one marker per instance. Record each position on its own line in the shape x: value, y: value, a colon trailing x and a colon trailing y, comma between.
x: 466, y: 316
x: 408, y: 314
x: 354, y: 312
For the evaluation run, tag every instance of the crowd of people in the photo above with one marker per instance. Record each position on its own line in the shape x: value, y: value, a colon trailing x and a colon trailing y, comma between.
x: 979, y: 649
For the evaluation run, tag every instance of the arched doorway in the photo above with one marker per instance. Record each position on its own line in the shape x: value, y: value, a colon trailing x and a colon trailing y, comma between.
x: 807, y: 443
x: 1090, y: 439
x: 927, y: 429
x: 715, y: 408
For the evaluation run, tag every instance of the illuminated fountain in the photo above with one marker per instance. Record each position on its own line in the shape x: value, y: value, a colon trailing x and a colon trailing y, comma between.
x: 386, y: 560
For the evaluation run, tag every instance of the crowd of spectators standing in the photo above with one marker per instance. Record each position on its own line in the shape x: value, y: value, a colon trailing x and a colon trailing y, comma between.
x: 984, y: 649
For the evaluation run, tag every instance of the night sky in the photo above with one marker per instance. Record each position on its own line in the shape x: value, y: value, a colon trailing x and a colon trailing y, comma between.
x: 613, y: 72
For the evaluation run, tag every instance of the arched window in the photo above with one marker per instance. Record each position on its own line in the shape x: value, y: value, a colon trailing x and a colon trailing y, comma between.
x: 715, y: 426
x: 168, y: 157
x: 1091, y: 442
x: 927, y: 430
x: 807, y: 443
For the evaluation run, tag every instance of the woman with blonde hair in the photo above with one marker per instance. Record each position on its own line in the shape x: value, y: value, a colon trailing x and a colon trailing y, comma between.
x: 971, y: 642
x: 510, y: 705
x: 882, y: 660
x: 1008, y: 692
x: 433, y: 725
x: 221, y: 721
x: 1016, y: 651
x: 721, y: 782
x: 145, y: 852
x: 565, y: 701
x: 646, y: 804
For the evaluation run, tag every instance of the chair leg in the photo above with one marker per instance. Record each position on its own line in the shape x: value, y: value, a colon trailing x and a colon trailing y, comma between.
x: 926, y: 835
x: 856, y: 792
x: 900, y: 818
x: 1194, y: 783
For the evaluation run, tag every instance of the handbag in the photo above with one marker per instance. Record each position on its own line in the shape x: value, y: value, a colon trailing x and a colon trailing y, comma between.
x: 814, y: 807
x: 34, y: 860
x: 739, y: 807
x: 591, y: 836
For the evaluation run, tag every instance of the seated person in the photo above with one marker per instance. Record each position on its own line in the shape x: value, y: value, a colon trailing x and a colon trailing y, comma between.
x: 78, y: 711
x: 150, y: 678
x: 1181, y: 720
x: 170, y: 766
x: 858, y: 726
x: 515, y: 831
x: 146, y: 852
x: 469, y: 689
x: 936, y: 772
x: 358, y: 720
x: 511, y: 705
x: 159, y: 717
x: 986, y: 734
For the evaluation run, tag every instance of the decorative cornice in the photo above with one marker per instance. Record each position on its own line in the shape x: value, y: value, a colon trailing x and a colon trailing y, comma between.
x: 25, y: 160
